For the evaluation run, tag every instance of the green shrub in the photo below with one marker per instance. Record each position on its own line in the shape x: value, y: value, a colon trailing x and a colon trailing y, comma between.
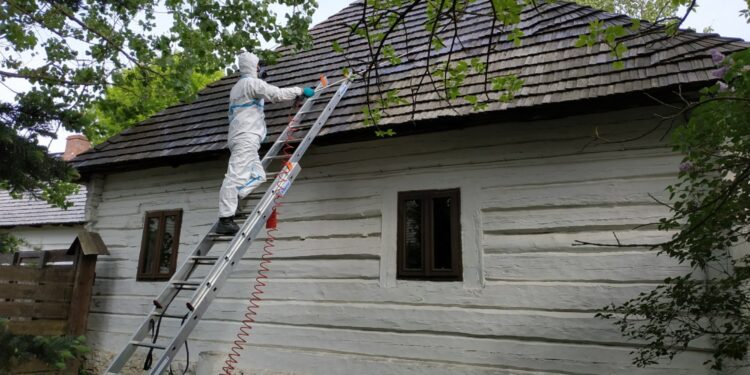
x: 55, y: 351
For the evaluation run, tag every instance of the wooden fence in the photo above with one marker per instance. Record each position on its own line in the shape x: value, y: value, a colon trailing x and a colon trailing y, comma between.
x: 46, y: 293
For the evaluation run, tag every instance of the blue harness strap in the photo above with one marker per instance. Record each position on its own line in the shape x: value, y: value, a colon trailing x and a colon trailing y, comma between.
x: 252, y: 103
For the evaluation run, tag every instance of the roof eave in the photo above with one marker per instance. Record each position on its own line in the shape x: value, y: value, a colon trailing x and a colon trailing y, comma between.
x: 519, y: 114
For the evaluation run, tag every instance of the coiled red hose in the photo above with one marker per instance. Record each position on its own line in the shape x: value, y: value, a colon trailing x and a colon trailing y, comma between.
x: 261, y: 281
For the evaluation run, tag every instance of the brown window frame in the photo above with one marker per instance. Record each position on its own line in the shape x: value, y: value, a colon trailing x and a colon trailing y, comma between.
x: 154, y: 273
x: 428, y: 273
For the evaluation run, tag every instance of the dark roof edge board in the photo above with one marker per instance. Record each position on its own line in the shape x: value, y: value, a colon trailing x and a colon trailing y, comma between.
x: 520, y: 114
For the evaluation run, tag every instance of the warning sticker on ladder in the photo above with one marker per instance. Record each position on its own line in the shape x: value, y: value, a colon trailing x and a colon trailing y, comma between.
x: 286, y: 182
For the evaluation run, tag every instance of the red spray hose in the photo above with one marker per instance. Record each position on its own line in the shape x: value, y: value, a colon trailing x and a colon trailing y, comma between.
x: 262, y: 279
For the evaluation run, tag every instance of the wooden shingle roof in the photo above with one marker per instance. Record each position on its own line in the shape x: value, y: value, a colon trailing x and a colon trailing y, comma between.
x: 31, y: 211
x: 554, y: 71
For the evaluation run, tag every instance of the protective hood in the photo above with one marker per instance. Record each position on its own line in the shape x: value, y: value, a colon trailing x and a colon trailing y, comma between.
x: 248, y: 64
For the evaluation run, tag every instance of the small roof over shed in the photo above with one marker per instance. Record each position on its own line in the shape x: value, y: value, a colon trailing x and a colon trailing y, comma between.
x: 90, y: 243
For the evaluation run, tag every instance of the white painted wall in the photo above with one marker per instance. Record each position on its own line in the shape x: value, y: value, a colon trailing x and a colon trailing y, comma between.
x: 45, y: 237
x: 334, y: 305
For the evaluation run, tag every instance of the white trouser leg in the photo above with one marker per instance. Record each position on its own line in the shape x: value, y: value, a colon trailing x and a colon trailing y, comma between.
x: 244, y: 173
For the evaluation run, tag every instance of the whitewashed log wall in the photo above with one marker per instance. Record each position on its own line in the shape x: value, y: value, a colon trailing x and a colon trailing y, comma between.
x: 45, y: 237
x: 334, y: 306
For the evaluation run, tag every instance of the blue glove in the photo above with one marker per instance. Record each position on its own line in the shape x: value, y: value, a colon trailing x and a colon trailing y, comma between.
x: 308, y: 92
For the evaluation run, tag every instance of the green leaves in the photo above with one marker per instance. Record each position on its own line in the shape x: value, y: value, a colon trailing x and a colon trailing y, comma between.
x: 137, y: 95
x: 385, y: 133
x: 515, y: 37
x: 588, y: 40
x: 452, y: 76
x: 373, y: 113
x: 709, y: 218
x: 9, y: 243
x: 83, y: 50
x: 609, y: 35
x: 390, y: 54
x: 56, y: 193
x: 650, y: 10
x: 507, y: 86
x: 336, y: 47
x: 709, y: 204
x: 475, y: 103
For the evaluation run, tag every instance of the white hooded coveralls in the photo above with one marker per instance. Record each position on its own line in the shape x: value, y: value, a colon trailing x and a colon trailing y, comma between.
x: 247, y: 128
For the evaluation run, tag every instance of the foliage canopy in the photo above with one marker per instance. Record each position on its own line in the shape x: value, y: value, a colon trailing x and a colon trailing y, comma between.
x: 68, y: 52
x: 132, y: 99
x: 710, y: 220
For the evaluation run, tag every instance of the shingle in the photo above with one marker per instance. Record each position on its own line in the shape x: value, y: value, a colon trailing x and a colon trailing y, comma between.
x: 30, y: 211
x: 552, y: 68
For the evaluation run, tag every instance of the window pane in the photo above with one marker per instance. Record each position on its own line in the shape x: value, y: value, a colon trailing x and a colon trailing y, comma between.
x: 151, y: 238
x: 167, y: 243
x: 413, y: 234
x: 441, y: 233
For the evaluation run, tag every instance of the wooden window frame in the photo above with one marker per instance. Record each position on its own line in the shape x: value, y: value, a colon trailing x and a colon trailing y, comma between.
x: 154, y: 274
x: 428, y: 273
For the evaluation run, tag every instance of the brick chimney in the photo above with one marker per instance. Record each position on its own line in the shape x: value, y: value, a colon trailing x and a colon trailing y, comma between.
x: 76, y: 144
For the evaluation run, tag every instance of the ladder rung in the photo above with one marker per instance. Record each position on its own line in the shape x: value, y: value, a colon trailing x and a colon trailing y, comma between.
x: 148, y: 345
x: 220, y: 237
x: 270, y: 176
x: 306, y: 126
x: 256, y: 195
x: 276, y: 157
x: 183, y: 282
x: 204, y: 258
x: 186, y: 285
x: 171, y: 316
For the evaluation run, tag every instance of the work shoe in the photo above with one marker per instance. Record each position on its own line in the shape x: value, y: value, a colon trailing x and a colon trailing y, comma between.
x: 227, y: 226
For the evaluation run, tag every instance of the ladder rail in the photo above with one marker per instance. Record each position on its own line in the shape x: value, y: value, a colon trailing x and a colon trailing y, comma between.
x: 209, y: 289
x: 202, y: 296
x: 265, y: 206
x: 234, y: 247
x: 206, y: 242
x: 169, y: 292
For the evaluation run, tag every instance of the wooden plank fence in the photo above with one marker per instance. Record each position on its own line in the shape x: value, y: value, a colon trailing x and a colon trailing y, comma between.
x: 46, y: 293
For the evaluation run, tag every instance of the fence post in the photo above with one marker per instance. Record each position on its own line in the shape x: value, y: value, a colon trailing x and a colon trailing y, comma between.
x: 83, y: 282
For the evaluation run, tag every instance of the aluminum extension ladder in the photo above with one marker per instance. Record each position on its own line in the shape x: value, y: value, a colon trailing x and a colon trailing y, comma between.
x: 206, y: 290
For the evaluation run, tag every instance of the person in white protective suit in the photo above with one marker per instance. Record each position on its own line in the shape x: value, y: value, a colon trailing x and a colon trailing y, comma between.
x: 247, y: 128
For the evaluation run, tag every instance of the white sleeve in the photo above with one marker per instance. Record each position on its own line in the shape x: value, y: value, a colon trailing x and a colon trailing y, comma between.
x: 260, y: 89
